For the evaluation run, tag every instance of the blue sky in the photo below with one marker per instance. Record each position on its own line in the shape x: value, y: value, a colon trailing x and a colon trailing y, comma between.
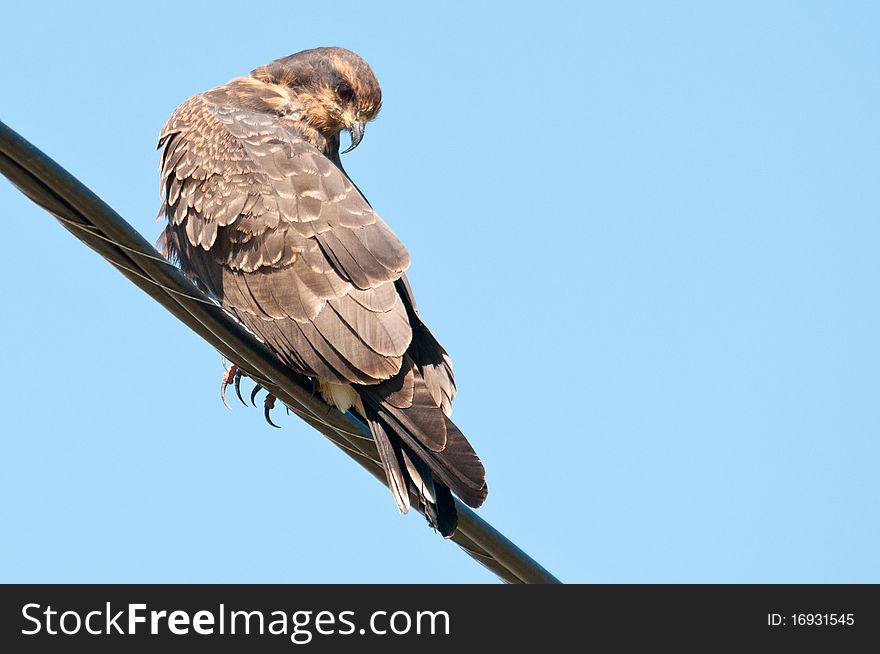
x: 646, y: 232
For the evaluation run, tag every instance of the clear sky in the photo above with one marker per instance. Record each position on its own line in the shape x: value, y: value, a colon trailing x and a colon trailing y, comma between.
x: 646, y: 232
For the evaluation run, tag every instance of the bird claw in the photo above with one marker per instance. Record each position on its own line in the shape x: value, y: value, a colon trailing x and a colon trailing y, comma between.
x: 254, y: 392
x: 232, y: 374
x: 268, y: 405
x: 237, y: 383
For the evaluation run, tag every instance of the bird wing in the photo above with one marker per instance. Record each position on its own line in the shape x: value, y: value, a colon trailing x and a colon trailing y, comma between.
x: 302, y: 261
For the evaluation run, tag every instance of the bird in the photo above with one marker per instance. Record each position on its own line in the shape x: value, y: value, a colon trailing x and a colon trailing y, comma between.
x: 262, y: 216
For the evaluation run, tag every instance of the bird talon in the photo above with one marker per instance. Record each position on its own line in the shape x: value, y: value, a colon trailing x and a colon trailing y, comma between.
x: 268, y: 405
x: 237, y: 382
x: 254, y: 392
x: 227, y: 379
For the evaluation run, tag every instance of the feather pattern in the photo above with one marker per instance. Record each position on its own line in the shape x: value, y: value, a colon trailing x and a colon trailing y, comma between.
x: 263, y: 217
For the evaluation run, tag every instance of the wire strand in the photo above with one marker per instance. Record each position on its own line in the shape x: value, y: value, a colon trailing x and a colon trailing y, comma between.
x: 94, y: 231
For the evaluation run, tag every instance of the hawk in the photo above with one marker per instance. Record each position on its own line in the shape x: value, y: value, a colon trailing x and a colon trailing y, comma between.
x: 262, y: 215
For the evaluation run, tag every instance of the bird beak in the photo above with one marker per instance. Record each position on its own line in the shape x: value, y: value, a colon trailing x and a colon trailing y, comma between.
x: 356, y: 129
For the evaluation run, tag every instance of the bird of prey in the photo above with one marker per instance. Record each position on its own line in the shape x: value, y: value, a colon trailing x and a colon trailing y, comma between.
x: 263, y: 217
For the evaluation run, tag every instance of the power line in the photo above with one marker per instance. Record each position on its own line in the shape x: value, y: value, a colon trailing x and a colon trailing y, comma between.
x: 97, y: 225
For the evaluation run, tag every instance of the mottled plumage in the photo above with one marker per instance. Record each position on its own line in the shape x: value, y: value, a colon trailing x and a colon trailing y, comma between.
x: 262, y: 215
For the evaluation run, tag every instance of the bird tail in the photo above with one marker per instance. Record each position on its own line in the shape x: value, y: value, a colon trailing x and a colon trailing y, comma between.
x: 424, y: 454
x: 420, y: 463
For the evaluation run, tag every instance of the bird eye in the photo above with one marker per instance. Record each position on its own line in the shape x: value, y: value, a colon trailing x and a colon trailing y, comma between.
x: 344, y: 92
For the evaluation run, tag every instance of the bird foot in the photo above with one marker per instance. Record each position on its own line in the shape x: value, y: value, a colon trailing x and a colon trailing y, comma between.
x: 232, y: 375
x: 268, y: 405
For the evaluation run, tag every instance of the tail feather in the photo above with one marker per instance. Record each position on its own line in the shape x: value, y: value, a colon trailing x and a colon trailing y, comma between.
x: 421, y: 478
x: 447, y: 516
x: 422, y: 450
x: 397, y: 480
x: 407, y: 475
x: 457, y: 465
x: 435, y: 497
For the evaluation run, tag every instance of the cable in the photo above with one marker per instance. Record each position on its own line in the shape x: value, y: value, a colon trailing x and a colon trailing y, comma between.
x: 97, y: 225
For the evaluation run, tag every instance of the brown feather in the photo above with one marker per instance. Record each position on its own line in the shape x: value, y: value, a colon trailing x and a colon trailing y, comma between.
x: 262, y: 216
x: 397, y: 481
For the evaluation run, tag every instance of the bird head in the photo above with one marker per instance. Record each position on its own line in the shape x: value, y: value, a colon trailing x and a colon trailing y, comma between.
x: 330, y: 89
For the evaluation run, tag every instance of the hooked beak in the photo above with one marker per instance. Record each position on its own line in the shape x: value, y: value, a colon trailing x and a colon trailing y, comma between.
x: 356, y: 129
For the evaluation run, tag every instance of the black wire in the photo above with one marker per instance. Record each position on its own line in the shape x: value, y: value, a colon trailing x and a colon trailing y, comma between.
x: 92, y: 221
